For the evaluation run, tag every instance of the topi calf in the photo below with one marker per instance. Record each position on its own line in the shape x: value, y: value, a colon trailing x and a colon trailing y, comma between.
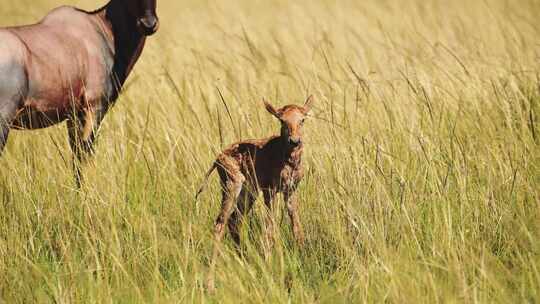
x: 272, y: 165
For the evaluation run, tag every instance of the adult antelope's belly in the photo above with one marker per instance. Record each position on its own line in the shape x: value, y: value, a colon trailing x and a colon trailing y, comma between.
x: 55, y: 91
x: 37, y: 114
x: 48, y: 103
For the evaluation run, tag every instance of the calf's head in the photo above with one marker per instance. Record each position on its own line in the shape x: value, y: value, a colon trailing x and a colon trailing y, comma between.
x: 292, y: 119
x: 144, y: 11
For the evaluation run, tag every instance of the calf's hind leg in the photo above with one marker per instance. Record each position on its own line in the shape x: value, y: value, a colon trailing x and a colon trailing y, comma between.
x: 245, y: 203
x: 268, y: 241
x: 232, y: 181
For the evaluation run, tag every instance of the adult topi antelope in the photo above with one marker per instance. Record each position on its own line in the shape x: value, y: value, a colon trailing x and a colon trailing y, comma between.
x: 71, y: 66
x: 272, y: 165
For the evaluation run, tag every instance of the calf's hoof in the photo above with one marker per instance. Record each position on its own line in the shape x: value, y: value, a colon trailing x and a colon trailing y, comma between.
x: 210, y: 285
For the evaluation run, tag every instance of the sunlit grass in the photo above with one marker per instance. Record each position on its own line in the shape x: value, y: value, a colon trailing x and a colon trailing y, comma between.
x: 423, y: 178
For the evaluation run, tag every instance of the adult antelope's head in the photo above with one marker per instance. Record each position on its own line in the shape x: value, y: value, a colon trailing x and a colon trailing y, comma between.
x: 292, y: 119
x: 144, y: 11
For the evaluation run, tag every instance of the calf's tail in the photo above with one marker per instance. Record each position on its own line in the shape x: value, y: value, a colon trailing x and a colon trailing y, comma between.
x: 205, y: 182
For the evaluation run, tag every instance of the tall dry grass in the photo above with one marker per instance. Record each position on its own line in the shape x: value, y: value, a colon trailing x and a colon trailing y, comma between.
x: 423, y: 180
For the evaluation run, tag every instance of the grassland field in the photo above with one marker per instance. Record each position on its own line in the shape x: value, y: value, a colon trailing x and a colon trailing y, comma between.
x: 422, y: 158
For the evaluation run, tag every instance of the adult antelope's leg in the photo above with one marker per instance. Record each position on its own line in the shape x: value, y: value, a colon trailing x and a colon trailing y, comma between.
x: 4, y: 132
x: 13, y: 86
x: 82, y: 131
x: 231, y: 188
x: 269, y: 195
x: 245, y: 202
x: 292, y: 208
x: 8, y: 109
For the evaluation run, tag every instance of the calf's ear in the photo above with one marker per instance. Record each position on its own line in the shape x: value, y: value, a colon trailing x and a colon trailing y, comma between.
x: 270, y: 108
x: 309, y: 104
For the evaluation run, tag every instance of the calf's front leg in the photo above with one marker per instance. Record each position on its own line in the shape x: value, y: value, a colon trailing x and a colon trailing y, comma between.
x: 292, y: 208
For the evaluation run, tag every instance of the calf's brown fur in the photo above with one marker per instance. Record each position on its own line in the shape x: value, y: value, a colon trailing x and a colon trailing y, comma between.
x: 272, y: 165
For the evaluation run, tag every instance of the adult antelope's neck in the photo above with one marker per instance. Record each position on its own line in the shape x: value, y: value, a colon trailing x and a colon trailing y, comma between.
x: 123, y: 37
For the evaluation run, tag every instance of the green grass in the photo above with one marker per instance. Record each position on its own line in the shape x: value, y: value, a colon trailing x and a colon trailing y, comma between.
x: 423, y: 167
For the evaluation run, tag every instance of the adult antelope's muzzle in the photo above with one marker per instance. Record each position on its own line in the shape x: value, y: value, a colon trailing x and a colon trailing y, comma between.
x: 149, y: 24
